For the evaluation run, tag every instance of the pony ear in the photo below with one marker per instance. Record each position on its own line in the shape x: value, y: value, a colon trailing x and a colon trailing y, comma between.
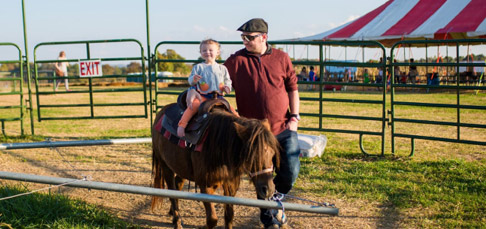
x: 240, y: 129
x: 266, y: 124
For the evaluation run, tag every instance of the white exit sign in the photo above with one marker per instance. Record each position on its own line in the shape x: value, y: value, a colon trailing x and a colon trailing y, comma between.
x: 90, y: 68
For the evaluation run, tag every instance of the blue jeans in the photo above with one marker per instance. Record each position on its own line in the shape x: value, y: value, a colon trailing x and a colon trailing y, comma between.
x: 289, y: 169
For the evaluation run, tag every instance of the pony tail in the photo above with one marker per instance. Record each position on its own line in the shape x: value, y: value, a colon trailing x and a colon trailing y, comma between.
x: 158, y: 181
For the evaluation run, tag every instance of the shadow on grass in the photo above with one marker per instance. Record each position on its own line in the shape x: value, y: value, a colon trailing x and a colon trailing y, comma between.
x: 38, y: 210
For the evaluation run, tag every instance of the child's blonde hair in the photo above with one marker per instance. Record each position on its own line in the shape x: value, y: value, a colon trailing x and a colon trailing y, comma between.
x: 209, y: 41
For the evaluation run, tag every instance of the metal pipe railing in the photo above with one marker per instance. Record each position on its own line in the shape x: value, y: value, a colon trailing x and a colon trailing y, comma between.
x: 124, y: 188
x: 49, y: 144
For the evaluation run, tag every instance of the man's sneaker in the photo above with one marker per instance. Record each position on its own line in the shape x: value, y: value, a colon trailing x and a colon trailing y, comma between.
x: 279, y: 220
x: 280, y: 216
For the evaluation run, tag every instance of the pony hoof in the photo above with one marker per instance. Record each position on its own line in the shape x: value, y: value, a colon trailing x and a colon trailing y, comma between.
x: 178, y: 225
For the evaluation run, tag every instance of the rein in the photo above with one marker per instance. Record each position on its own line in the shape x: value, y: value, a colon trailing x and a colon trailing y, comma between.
x: 268, y: 170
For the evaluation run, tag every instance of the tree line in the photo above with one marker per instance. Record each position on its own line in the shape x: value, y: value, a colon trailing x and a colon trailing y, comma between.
x: 133, y: 67
x: 181, y: 68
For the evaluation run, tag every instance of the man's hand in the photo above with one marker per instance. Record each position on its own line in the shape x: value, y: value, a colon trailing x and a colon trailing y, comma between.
x: 293, y: 124
x: 191, y: 96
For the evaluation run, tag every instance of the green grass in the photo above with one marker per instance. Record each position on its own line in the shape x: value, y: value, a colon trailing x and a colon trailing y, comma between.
x: 442, y: 185
x: 25, y: 138
x: 52, y: 211
x: 451, y: 192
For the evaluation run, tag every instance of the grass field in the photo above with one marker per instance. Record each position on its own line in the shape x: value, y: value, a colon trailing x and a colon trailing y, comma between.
x: 442, y: 185
x: 52, y: 211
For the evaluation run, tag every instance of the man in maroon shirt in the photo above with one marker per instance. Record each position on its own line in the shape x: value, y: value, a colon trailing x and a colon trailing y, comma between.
x: 265, y: 87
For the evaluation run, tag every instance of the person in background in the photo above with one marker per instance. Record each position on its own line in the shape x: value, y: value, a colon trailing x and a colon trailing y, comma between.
x: 412, y: 72
x: 366, y: 76
x: 379, y: 77
x: 348, y: 77
x: 303, y: 74
x: 265, y: 87
x: 312, y: 77
x: 62, y: 67
x: 471, y: 76
x: 396, y: 72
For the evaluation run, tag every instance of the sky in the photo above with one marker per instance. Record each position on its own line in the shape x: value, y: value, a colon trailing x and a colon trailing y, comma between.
x: 182, y: 20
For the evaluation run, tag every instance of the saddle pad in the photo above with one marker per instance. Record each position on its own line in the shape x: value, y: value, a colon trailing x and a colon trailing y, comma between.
x: 194, y: 130
x: 174, y: 139
x: 171, y: 118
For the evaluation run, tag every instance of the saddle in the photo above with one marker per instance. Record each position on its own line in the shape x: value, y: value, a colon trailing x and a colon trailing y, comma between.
x: 198, y: 124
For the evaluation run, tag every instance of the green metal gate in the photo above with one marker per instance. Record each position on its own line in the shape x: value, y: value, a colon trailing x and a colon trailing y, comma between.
x: 10, y: 113
x: 319, y: 100
x: 457, y: 87
x: 325, y: 100
x: 90, y: 90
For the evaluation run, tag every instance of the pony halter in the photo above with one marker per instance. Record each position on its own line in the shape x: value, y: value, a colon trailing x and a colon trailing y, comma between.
x: 268, y: 170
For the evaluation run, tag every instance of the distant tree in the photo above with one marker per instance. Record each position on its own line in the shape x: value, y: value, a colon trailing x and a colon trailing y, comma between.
x: 9, y: 67
x: 73, y: 69
x: 3, y: 68
x: 448, y: 59
x: 119, y: 71
x: 134, y: 67
x: 171, y: 54
x: 46, y: 66
x: 108, y: 69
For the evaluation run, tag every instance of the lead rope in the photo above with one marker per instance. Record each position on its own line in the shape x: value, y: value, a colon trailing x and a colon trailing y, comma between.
x: 324, y: 204
x: 85, y: 177
x: 278, y: 197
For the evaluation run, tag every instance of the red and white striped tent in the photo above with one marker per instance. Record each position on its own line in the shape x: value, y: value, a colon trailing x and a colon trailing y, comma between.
x: 414, y: 19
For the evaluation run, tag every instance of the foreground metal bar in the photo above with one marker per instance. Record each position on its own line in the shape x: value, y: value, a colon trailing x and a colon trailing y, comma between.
x: 49, y: 144
x: 165, y: 193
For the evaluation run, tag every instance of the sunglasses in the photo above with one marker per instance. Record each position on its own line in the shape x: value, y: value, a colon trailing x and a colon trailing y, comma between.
x: 250, y: 37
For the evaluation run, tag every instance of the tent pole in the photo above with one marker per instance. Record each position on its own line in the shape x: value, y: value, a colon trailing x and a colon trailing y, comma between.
x: 447, y: 67
x: 329, y: 57
x: 363, y: 59
x: 404, y: 54
x: 426, y: 58
x: 345, y: 53
x: 362, y: 53
x: 307, y: 52
x: 293, y: 50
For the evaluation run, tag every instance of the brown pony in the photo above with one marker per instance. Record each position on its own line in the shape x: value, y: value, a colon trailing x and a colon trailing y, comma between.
x: 233, y: 146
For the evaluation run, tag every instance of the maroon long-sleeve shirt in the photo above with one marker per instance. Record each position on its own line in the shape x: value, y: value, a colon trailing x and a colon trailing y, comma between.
x: 261, y: 84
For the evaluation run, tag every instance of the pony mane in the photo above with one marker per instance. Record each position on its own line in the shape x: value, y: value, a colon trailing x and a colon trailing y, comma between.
x: 227, y: 155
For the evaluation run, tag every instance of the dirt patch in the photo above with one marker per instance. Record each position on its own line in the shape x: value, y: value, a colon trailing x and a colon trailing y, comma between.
x: 131, y: 164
